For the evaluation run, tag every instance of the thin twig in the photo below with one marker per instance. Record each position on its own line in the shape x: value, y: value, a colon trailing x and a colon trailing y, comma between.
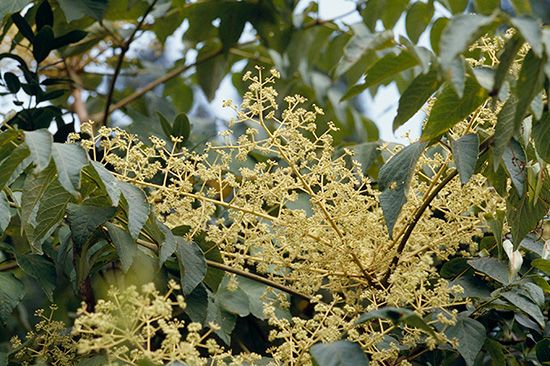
x: 123, y: 49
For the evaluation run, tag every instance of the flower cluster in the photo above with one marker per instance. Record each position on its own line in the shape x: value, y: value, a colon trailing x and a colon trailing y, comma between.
x: 280, y: 199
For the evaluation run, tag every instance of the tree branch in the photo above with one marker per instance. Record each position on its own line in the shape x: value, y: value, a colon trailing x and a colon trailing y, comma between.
x: 123, y: 49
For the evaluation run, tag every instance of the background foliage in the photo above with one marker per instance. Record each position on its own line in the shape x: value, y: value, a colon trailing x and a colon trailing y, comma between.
x: 69, y: 227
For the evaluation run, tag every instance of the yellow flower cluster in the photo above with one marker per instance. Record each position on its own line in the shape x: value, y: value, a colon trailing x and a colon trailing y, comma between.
x: 280, y: 200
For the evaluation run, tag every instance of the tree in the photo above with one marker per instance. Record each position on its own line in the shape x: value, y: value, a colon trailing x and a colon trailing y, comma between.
x: 296, y: 237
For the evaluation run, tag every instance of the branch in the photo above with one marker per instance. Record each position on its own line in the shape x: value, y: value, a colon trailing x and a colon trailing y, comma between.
x: 123, y: 49
x: 8, y: 266
x: 420, y: 211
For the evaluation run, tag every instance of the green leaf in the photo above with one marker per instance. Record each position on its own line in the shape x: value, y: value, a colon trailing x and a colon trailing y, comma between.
x: 12, y: 6
x: 392, y: 12
x: 40, y: 146
x: 50, y: 214
x: 11, y: 293
x: 437, y: 30
x: 541, y: 135
x: 69, y: 160
x: 506, y: 60
x: 523, y: 215
x: 231, y: 27
x: 418, y: 18
x: 449, y: 109
x: 168, y: 246
x: 126, y: 246
x: 530, y: 80
x: 104, y: 179
x: 542, y: 264
x: 521, y: 6
x: 394, y: 179
x: 211, y: 252
x: 73, y: 36
x: 415, y: 96
x: 211, y: 72
x: 5, y: 214
x: 397, y: 316
x: 526, y: 305
x: 531, y: 30
x: 515, y: 162
x: 359, y: 45
x: 486, y: 7
x: 42, y: 44
x: 138, y: 207
x: 234, y: 301
x: 23, y: 26
x: 84, y: 220
x: 12, y: 82
x: 42, y: 270
x: 542, y: 349
x: 192, y: 264
x: 44, y: 15
x: 504, y: 129
x: 492, y: 267
x: 339, y: 353
x: 166, y: 127
x: 383, y: 69
x: 76, y: 9
x: 465, y: 152
x: 181, y: 126
x: 462, y: 30
x: 9, y: 167
x: 470, y: 335
x: 495, y: 351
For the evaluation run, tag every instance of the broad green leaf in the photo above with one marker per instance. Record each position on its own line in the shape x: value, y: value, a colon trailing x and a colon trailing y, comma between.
x: 76, y: 9
x: 233, y: 300
x: 530, y: 80
x: 542, y: 349
x: 181, y: 126
x: 40, y: 146
x: 521, y: 6
x: 485, y: 77
x: 5, y: 214
x: 506, y: 60
x: 436, y: 31
x: 138, y: 207
x: 486, y: 7
x: 542, y: 264
x: 69, y: 160
x: 418, y: 17
x: 541, y: 135
x: 192, y: 264
x: 449, y: 109
x: 225, y: 319
x: 104, y: 179
x: 23, y: 26
x: 84, y: 220
x: 11, y: 293
x: 231, y: 26
x: 211, y: 252
x: 515, y: 162
x: 504, y: 129
x: 12, y: 82
x: 531, y: 30
x: 211, y: 72
x: 168, y: 246
x: 258, y: 294
x: 339, y: 353
x: 125, y: 245
x: 166, y: 126
x: 465, y: 151
x: 383, y: 69
x: 44, y: 15
x: 526, y: 305
x: 9, y: 166
x: 394, y: 179
x: 495, y: 351
x: 392, y: 12
x: 461, y: 31
x: 415, y: 96
x: 42, y: 270
x: 50, y: 214
x: 42, y: 44
x: 398, y: 316
x: 359, y: 45
x: 523, y: 215
x: 34, y: 189
x: 9, y: 140
x: 470, y: 335
x: 12, y: 6
x: 455, y: 74
x: 492, y: 267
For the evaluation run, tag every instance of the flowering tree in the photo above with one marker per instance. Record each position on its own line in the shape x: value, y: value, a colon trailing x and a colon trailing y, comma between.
x: 294, y: 236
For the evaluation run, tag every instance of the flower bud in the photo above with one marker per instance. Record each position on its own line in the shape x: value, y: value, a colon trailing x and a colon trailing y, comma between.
x: 515, y: 258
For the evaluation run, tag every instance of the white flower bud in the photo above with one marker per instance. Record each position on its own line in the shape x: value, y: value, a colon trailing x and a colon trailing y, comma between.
x: 516, y: 260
